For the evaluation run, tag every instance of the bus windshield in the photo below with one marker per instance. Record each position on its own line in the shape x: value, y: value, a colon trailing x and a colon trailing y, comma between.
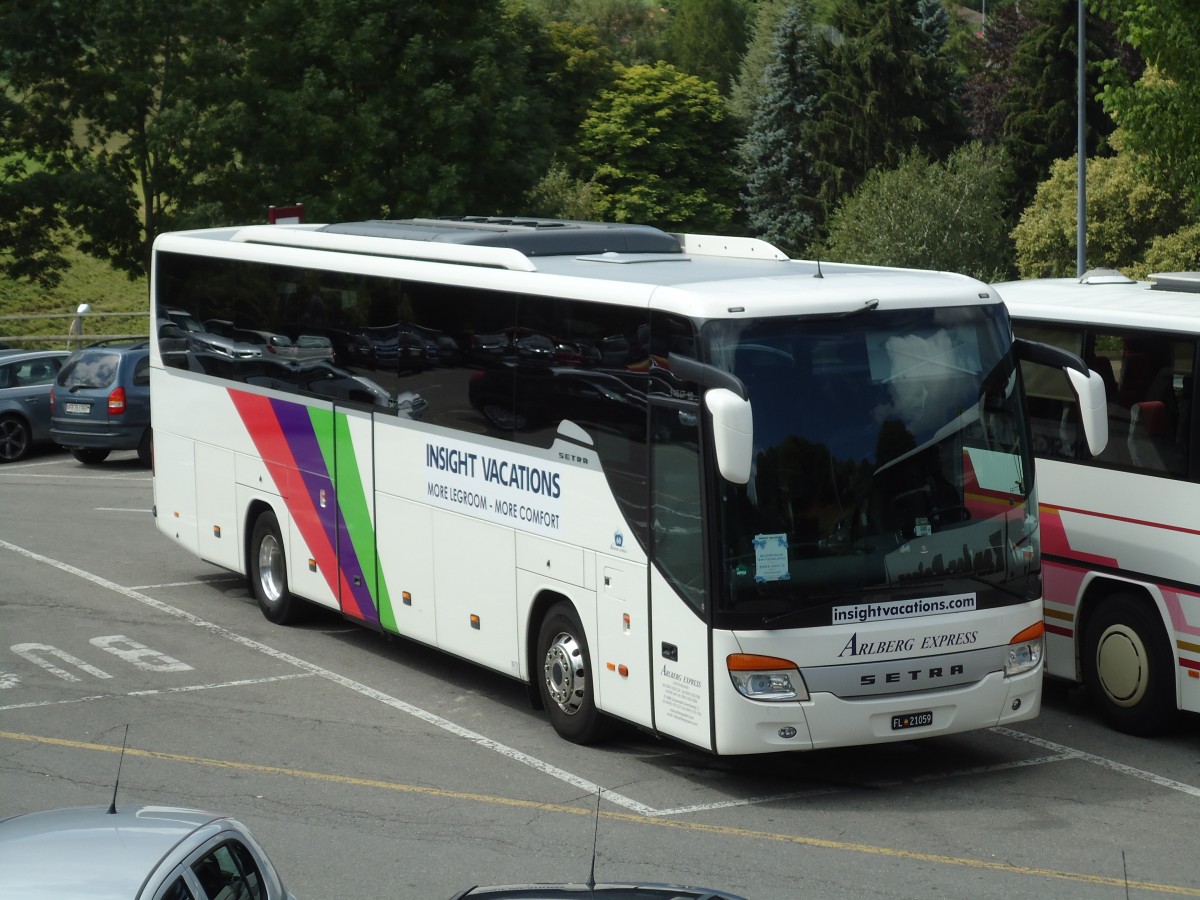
x: 891, y: 463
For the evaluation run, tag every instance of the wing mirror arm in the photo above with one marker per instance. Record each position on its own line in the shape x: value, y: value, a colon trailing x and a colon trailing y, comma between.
x: 729, y: 407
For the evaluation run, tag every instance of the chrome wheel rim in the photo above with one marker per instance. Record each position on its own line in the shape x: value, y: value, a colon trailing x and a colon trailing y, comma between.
x: 566, y: 677
x: 271, y: 576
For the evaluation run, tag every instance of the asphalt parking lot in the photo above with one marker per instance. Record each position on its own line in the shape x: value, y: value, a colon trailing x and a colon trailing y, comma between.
x: 377, y: 768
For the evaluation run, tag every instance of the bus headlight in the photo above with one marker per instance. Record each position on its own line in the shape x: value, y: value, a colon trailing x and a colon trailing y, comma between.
x: 766, y: 678
x: 1025, y: 650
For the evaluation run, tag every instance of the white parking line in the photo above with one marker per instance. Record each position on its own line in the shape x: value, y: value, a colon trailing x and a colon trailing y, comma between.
x: 88, y: 477
x: 220, y: 579
x: 1072, y: 753
x: 120, y: 509
x: 362, y: 689
x: 175, y: 690
x: 1060, y: 751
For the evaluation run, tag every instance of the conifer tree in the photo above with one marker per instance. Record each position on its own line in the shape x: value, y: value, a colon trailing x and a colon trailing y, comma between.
x: 777, y: 164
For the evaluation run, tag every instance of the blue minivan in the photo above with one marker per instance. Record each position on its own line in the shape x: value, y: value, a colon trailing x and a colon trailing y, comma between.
x: 101, y: 402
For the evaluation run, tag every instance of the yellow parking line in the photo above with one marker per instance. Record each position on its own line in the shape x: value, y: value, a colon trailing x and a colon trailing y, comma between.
x: 725, y: 830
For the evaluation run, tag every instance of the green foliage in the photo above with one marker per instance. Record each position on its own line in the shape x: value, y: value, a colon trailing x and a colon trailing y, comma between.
x: 1177, y: 252
x: 883, y: 94
x: 579, y: 67
x: 1125, y: 214
x: 1159, y: 112
x: 1033, y: 91
x: 85, y: 280
x: 929, y: 215
x: 559, y: 195
x: 707, y: 37
x: 116, y: 95
x: 363, y: 108
x: 633, y: 31
x: 777, y: 165
x: 659, y: 145
x: 748, y: 85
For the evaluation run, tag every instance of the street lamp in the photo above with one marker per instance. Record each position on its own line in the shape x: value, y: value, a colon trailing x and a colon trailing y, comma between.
x: 76, y: 330
x: 1081, y: 141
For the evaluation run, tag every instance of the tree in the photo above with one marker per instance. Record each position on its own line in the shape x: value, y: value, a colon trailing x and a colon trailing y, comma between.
x: 1126, y: 213
x: 776, y: 161
x: 658, y: 146
x: 1159, y: 112
x: 366, y: 108
x: 117, y: 96
x: 632, y: 30
x: 929, y: 215
x: 30, y: 221
x: 707, y: 37
x: 748, y: 85
x: 882, y: 94
x: 1025, y: 96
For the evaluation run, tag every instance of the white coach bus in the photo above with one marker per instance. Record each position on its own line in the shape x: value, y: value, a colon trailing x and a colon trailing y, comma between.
x: 1120, y: 533
x: 680, y: 481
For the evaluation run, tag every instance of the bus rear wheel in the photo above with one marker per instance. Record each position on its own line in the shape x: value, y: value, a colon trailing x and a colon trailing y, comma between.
x: 565, y: 680
x: 268, y: 573
x: 1128, y: 667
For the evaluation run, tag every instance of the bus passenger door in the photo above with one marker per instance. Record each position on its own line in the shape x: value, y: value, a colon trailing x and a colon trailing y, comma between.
x: 678, y: 592
x: 359, y: 588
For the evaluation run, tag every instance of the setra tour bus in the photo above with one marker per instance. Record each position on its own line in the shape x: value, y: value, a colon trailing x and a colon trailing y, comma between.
x: 1119, y: 540
x: 744, y: 502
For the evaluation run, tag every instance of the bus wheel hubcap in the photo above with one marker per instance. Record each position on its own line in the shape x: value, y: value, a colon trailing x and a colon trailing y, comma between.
x: 1121, y: 664
x: 566, y: 679
x: 270, y: 568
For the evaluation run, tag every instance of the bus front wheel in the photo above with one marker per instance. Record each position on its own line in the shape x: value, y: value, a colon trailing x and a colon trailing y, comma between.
x: 268, y: 573
x: 1128, y: 667
x: 565, y: 679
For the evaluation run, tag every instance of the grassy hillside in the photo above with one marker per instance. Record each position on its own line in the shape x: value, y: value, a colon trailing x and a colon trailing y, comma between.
x: 88, y: 281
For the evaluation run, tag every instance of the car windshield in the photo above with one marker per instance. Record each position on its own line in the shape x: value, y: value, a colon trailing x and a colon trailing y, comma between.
x: 890, y: 461
x: 92, y: 369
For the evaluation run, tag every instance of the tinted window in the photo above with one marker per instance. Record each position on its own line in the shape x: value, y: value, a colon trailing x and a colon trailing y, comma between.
x: 177, y: 890
x: 35, y: 371
x: 92, y: 369
x: 480, y: 361
x: 229, y: 873
x: 1149, y: 380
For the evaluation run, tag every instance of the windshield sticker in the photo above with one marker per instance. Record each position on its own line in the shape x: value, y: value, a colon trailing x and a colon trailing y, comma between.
x: 905, y: 609
x: 771, y: 558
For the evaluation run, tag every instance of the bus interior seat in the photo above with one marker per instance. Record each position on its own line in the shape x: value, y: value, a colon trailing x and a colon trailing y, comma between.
x: 1151, y: 437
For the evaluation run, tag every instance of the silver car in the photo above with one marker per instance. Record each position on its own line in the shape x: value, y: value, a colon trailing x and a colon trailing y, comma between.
x: 26, y: 378
x: 151, y: 852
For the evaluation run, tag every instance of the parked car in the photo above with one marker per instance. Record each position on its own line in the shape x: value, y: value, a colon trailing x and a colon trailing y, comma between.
x: 151, y: 852
x: 101, y: 402
x: 26, y: 380
x: 312, y: 346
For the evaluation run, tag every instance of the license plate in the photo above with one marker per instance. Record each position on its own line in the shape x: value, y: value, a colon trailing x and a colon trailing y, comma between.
x: 912, y: 720
x: 83, y: 408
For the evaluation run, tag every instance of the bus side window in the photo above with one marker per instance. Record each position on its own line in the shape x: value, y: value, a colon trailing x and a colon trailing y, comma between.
x: 1053, y: 418
x: 1151, y: 420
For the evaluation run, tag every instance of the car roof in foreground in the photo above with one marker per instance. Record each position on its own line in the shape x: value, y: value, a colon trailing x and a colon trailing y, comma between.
x: 86, y: 852
x: 613, y: 891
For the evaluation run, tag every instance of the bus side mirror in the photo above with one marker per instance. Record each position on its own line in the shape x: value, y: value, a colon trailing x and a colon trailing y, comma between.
x: 1088, y: 387
x: 1093, y: 407
x: 733, y: 433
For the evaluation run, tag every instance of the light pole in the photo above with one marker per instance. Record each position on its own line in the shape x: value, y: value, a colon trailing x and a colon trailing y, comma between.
x: 76, y: 329
x: 1081, y: 141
